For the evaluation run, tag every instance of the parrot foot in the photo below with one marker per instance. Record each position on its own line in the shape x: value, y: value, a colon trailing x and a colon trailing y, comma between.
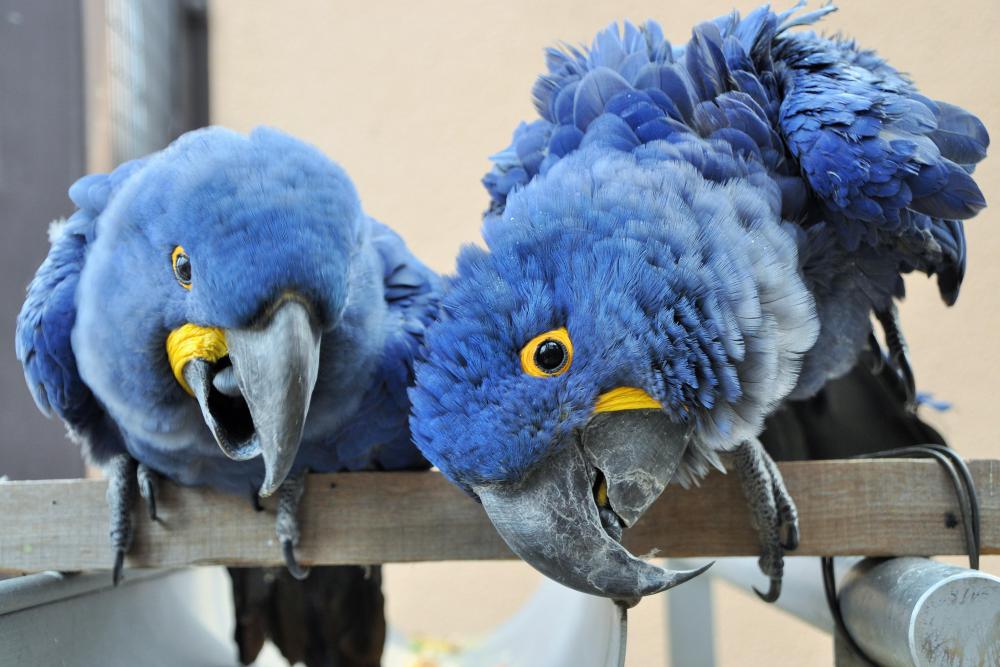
x: 149, y: 487
x: 255, y: 501
x: 877, y: 361
x: 772, y: 511
x: 287, y: 523
x: 121, y: 471
x: 899, y: 352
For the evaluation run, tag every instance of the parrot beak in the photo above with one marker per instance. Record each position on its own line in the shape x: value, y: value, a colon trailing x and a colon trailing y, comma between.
x: 566, y: 517
x: 256, y: 399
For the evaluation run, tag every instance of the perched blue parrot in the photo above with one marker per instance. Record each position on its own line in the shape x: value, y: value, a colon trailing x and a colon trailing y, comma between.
x: 686, y: 240
x: 223, y: 313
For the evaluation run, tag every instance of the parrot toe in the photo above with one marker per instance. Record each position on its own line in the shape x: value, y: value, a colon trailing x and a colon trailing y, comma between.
x: 255, y: 500
x: 876, y: 358
x: 772, y: 511
x: 293, y: 566
x: 287, y: 522
x: 773, y: 591
x: 127, y: 479
x: 899, y: 353
x: 148, y: 489
x: 791, y: 541
x: 121, y: 471
x: 118, y: 567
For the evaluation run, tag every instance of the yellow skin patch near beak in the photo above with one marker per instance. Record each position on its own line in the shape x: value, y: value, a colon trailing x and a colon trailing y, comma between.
x: 190, y: 342
x: 602, y: 494
x: 625, y: 398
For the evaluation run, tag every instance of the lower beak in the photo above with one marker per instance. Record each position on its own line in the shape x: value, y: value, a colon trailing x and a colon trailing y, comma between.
x: 257, y: 405
x: 565, y: 518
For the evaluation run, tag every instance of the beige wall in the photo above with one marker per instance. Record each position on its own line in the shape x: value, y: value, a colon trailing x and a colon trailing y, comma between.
x: 411, y: 97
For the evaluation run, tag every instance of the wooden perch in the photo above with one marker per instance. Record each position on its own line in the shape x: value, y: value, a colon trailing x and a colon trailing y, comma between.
x: 873, y: 507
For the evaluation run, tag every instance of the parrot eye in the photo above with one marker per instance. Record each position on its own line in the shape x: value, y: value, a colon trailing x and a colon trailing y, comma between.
x: 548, y: 354
x: 182, y: 267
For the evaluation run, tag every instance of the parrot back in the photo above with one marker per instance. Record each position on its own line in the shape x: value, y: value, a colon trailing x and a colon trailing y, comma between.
x: 874, y: 177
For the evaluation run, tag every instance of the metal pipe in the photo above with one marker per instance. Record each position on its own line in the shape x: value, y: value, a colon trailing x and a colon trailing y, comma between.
x: 914, y: 611
x: 690, y: 620
x: 901, y: 611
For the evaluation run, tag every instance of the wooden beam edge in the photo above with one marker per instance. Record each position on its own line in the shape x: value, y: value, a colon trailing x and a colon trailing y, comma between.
x: 850, y: 507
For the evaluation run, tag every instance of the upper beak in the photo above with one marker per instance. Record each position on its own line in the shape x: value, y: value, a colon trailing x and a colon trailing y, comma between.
x: 257, y: 405
x: 566, y: 516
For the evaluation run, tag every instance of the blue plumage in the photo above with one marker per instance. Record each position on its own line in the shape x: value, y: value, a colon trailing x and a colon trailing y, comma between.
x: 259, y: 216
x: 713, y: 223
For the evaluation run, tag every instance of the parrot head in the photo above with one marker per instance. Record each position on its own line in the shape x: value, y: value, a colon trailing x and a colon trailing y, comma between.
x: 594, y: 354
x: 215, y: 271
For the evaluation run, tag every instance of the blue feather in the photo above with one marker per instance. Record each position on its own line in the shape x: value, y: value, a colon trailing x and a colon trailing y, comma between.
x: 809, y: 144
x: 258, y: 215
x: 596, y: 89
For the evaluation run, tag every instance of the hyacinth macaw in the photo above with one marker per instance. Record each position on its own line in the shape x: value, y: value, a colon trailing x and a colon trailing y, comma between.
x: 686, y: 239
x: 223, y: 313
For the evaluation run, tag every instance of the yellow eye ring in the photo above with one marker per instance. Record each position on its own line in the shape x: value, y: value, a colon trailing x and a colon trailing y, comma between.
x: 182, y: 267
x: 548, y: 354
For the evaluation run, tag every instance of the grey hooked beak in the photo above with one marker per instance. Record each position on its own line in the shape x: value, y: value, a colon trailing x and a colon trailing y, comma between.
x: 565, y: 518
x: 257, y: 405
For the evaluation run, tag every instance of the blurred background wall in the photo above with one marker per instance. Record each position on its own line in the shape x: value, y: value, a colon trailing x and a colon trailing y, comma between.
x: 411, y: 98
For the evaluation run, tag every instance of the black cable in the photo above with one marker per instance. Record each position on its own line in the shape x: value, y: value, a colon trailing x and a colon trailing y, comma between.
x: 968, y: 500
x: 961, y: 480
x: 830, y: 588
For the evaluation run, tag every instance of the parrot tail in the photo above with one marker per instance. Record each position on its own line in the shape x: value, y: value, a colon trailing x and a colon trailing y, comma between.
x: 865, y: 411
x: 332, y: 618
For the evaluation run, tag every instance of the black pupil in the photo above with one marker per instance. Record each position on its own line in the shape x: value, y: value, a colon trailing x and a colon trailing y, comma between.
x: 550, y: 356
x: 182, y: 267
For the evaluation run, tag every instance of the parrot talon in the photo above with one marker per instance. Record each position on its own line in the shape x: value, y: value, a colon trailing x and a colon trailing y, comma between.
x: 899, y: 352
x: 771, y: 511
x: 287, y: 523
x: 773, y: 592
x: 118, y: 567
x: 791, y: 541
x: 291, y: 563
x: 877, y: 361
x: 122, y: 476
x: 255, y: 501
x: 148, y: 489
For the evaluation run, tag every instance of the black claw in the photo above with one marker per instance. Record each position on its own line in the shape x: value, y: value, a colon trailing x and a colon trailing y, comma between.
x: 909, y: 381
x: 294, y: 569
x: 792, y: 543
x: 119, y: 566
x: 773, y: 593
x: 899, y: 354
x: 149, y: 495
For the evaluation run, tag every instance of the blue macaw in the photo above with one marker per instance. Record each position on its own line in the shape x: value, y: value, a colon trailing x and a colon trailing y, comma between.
x: 223, y: 313
x: 688, y: 238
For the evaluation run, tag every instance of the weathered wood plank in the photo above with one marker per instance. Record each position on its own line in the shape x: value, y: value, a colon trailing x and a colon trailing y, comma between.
x: 899, y: 507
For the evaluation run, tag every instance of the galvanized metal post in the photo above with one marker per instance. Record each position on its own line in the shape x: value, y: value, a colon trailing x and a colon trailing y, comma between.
x: 690, y: 622
x: 914, y: 611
